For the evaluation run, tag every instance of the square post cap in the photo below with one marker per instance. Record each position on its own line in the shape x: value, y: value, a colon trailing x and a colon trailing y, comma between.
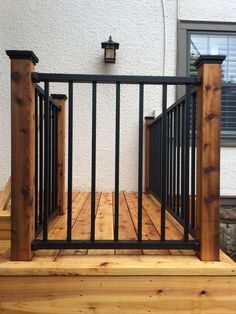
x: 213, y: 59
x: 149, y: 118
x: 22, y: 54
x: 59, y: 96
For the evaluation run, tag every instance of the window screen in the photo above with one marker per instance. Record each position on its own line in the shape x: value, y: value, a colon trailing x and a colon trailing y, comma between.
x: 219, y: 44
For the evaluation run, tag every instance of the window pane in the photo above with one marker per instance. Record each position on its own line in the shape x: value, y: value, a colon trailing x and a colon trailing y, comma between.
x: 198, y: 44
x: 219, y: 44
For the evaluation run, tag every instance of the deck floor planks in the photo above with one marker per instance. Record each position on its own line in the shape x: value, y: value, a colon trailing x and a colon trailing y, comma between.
x: 127, y: 230
x: 57, y: 229
x: 172, y: 233
x: 81, y: 227
x: 104, y: 222
x: 149, y: 231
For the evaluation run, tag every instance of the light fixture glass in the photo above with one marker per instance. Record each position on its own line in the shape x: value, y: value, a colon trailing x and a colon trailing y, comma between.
x: 110, y: 50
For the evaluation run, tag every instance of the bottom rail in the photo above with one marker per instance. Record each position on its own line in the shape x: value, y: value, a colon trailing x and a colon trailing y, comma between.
x: 111, y: 244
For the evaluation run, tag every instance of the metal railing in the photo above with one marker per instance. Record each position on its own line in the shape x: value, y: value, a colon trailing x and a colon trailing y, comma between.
x: 173, y: 161
x: 46, y: 134
x: 70, y: 243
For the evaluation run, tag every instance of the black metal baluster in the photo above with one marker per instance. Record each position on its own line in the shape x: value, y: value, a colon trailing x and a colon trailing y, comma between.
x: 46, y: 159
x: 36, y: 162
x: 171, y: 160
x: 186, y: 164
x: 160, y: 156
x: 41, y: 151
x: 50, y: 160
x: 156, y: 146
x: 167, y: 158
x: 140, y: 162
x: 193, y: 160
x: 182, y: 157
x: 163, y: 162
x: 54, y: 166
x: 117, y: 162
x: 174, y: 160
x: 93, y: 170
x: 56, y: 156
x: 178, y: 160
x: 70, y: 160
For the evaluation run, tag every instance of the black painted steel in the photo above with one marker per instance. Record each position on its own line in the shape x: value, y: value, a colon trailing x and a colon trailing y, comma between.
x: 41, y: 92
x: 175, y: 170
x: 174, y: 159
x: 93, y: 165
x: 41, y: 161
x: 170, y: 135
x: 182, y: 177
x: 110, y: 244
x: 163, y: 163
x: 70, y: 160
x: 186, y: 164
x: 117, y: 162
x: 46, y: 130
x: 178, y: 162
x: 109, y: 79
x: 140, y: 162
x: 46, y: 160
x: 193, y: 160
x: 36, y: 163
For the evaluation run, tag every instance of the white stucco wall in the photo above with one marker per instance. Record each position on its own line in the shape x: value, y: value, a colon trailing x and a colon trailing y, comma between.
x: 66, y: 36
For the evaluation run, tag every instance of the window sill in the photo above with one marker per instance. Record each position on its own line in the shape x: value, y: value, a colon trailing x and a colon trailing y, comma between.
x: 228, y: 142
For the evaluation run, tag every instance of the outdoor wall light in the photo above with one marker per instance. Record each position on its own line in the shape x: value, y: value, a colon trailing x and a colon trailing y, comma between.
x: 110, y: 50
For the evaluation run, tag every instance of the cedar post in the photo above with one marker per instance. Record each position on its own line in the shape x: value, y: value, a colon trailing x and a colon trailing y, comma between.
x: 22, y: 153
x: 61, y: 99
x: 208, y: 155
x: 148, y: 120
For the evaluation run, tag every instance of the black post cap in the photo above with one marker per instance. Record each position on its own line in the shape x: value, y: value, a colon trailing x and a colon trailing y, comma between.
x: 59, y: 96
x: 22, y: 54
x: 149, y: 117
x: 213, y: 59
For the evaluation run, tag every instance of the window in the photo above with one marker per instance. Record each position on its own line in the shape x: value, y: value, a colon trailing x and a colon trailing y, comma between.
x: 207, y: 39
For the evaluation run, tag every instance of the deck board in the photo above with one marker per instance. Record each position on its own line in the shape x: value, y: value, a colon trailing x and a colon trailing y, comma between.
x: 104, y: 222
x: 104, y: 226
x: 149, y: 231
x: 127, y: 230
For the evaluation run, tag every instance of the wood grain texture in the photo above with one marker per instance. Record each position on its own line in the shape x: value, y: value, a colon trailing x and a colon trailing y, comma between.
x: 5, y: 225
x: 105, y: 295
x: 208, y: 160
x: 5, y: 195
x: 22, y: 158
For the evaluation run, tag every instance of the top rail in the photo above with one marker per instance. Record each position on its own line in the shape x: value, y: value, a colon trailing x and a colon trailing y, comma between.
x: 41, y: 91
x: 109, y: 79
x: 175, y: 104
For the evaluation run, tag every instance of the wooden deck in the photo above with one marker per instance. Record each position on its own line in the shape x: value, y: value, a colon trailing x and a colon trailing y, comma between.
x: 104, y: 223
x: 120, y: 281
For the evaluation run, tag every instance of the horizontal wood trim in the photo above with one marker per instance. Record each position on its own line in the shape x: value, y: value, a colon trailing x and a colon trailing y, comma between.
x: 101, y: 295
x: 118, y: 265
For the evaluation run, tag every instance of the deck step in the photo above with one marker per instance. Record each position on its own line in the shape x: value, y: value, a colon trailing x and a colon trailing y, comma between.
x: 5, y: 224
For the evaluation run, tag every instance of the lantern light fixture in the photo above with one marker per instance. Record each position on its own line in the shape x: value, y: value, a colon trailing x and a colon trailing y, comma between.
x: 110, y: 50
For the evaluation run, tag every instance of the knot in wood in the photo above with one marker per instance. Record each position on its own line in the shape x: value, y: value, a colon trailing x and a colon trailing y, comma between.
x: 208, y: 199
x: 203, y: 292
x: 15, y: 76
x: 210, y: 116
x: 207, y: 87
x: 19, y: 101
x: 208, y: 169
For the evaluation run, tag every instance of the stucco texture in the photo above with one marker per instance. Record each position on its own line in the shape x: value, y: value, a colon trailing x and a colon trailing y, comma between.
x: 66, y: 36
